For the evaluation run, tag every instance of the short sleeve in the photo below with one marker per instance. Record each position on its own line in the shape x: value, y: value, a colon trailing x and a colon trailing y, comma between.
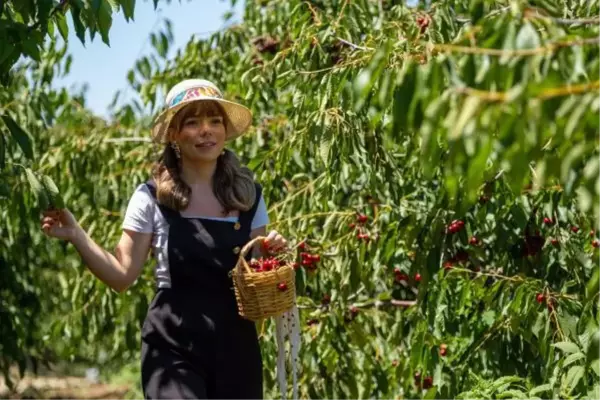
x: 139, y: 216
x: 261, y: 217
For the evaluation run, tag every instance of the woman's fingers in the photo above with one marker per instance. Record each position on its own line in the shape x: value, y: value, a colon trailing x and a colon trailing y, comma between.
x: 274, y: 242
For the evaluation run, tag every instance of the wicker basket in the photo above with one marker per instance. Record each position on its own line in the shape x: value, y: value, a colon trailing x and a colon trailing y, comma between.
x: 258, y: 294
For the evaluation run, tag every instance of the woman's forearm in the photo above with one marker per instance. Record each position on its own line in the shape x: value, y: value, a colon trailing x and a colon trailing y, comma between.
x: 100, y: 262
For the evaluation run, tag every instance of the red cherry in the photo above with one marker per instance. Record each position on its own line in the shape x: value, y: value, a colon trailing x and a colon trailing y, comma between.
x: 473, y: 241
x: 315, y: 257
x: 394, y: 363
x: 306, y: 263
x: 427, y: 382
x: 574, y: 229
x: 448, y: 265
x: 363, y: 236
x: 554, y: 242
x: 455, y: 226
x: 417, y: 376
x: 401, y: 277
x: 354, y: 311
x: 302, y: 245
x: 417, y: 277
x: 326, y: 299
x: 295, y: 265
x: 595, y: 244
x: 461, y: 256
x: 282, y: 286
x: 548, y: 221
x: 352, y: 225
x: 362, y: 218
x: 443, y: 350
x: 540, y: 298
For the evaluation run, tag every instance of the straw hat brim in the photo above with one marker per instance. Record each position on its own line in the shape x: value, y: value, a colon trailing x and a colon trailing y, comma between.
x: 239, y: 118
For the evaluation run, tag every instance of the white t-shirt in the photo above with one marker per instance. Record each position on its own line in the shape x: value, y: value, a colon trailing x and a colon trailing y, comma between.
x: 143, y: 215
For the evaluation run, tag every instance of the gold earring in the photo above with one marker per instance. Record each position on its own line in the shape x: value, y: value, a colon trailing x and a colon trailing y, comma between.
x: 176, y: 149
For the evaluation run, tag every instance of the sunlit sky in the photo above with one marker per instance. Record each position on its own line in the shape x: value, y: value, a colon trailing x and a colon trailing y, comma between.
x: 104, y: 69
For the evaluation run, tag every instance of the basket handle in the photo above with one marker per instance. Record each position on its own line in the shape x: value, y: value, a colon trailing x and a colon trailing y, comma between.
x: 247, y: 248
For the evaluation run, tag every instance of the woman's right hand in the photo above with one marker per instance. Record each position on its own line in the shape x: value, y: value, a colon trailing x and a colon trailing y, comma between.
x: 60, y: 224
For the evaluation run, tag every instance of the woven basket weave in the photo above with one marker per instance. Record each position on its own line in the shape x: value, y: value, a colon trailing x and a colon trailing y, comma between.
x: 257, y: 293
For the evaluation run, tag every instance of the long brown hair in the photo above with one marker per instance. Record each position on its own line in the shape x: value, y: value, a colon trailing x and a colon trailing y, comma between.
x: 233, y: 183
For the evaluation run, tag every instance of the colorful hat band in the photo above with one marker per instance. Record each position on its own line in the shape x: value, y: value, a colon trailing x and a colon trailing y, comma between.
x: 193, y: 93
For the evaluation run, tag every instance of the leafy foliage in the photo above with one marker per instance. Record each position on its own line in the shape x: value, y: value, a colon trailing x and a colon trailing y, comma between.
x: 377, y: 128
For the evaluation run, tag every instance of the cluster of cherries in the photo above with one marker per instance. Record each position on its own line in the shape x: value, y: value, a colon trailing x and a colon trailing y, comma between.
x: 400, y: 276
x: 455, y: 226
x: 264, y: 264
x: 361, y: 219
x: 309, y: 260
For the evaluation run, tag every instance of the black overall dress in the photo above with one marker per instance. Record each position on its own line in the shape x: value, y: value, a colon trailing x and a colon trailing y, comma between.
x: 194, y: 343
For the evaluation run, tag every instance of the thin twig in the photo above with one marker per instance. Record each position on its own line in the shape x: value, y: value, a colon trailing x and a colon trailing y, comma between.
x: 341, y: 14
x: 544, y: 95
x: 569, y: 89
x: 319, y: 214
x: 550, y: 47
x: 354, y: 46
x: 127, y: 139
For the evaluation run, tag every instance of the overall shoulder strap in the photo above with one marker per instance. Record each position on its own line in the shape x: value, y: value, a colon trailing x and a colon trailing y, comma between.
x: 246, y: 217
x: 168, y: 213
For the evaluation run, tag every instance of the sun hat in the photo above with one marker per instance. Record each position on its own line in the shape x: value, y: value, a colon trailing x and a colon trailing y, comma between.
x: 187, y: 91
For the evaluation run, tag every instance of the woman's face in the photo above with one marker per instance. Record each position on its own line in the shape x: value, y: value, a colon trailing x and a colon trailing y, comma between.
x: 201, y: 136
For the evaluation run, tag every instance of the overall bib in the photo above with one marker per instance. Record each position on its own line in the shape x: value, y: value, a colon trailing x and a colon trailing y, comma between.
x: 194, y: 343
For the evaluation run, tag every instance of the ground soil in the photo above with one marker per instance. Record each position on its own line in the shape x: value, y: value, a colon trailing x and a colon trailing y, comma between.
x: 61, y: 387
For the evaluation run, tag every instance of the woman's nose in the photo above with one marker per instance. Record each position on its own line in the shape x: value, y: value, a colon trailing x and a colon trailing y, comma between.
x: 204, y: 127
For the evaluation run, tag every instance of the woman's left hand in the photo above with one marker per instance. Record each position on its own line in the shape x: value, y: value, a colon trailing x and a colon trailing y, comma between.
x: 274, y: 243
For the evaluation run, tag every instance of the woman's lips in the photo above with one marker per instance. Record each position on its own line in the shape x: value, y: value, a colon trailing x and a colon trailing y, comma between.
x: 205, y: 145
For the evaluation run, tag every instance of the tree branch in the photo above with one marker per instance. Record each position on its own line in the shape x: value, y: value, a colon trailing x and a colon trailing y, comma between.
x: 550, y: 47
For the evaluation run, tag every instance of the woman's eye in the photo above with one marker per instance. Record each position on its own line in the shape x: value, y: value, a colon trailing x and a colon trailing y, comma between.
x: 217, y: 120
x: 191, y: 122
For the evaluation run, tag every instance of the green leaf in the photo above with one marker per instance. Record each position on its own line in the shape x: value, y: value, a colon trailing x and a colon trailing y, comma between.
x: 37, y: 189
x: 567, y: 347
x: 76, y: 16
x: 540, y: 389
x: 52, y: 192
x: 573, y: 377
x: 143, y: 67
x: 61, y: 23
x: 30, y: 48
x: 575, y: 154
x: 403, y: 96
x: 593, y: 348
x: 19, y: 135
x: 527, y: 38
x: 572, y: 358
x: 469, y: 109
x: 324, y: 149
x: 2, y: 151
x: 104, y: 17
x: 595, y: 366
x: 430, y: 394
x: 128, y: 8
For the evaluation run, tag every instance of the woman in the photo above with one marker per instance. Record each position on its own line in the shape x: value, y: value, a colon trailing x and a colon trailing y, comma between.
x: 200, y: 207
